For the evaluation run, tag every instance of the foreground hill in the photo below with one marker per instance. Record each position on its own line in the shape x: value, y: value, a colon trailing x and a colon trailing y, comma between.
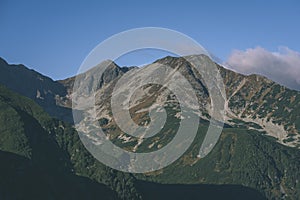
x: 43, y: 158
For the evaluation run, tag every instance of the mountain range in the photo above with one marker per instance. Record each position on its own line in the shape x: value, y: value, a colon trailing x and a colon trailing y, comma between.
x: 257, y: 156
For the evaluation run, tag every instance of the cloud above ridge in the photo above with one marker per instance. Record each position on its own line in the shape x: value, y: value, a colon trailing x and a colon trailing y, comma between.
x: 282, y: 66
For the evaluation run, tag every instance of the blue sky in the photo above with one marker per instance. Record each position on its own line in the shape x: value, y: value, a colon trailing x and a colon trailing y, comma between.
x: 54, y: 37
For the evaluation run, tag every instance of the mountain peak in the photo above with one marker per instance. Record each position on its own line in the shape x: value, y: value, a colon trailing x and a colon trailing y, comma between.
x: 27, y: 82
x: 3, y: 62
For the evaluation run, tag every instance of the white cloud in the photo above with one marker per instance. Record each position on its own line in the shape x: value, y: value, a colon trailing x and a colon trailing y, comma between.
x: 282, y: 66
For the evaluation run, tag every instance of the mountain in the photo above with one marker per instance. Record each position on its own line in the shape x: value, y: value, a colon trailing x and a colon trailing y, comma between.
x: 51, y: 95
x: 252, y: 102
x: 255, y: 102
x: 43, y: 158
x: 262, y: 127
x: 258, y: 148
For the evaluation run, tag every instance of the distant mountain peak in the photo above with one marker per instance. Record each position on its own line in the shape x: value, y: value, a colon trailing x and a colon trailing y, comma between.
x: 3, y: 62
x: 42, y: 89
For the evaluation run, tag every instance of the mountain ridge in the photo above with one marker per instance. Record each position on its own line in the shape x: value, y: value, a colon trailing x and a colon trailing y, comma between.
x: 24, y: 165
x: 255, y: 106
x: 55, y: 96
